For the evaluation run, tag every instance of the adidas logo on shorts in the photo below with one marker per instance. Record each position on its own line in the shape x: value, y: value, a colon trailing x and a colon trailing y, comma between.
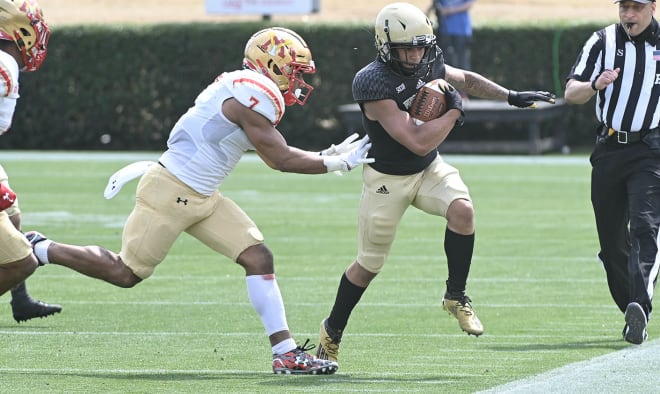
x: 382, y: 190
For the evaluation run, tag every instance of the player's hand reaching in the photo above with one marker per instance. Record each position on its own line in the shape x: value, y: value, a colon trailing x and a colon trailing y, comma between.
x: 529, y: 99
x: 351, y: 159
x: 345, y: 146
x: 7, y: 197
x: 358, y: 155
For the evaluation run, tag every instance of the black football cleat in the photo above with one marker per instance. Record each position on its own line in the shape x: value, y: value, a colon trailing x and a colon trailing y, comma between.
x: 636, y: 321
x: 26, y: 308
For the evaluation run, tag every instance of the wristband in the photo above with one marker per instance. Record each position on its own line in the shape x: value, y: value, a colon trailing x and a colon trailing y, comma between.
x: 335, y: 163
x: 593, y: 85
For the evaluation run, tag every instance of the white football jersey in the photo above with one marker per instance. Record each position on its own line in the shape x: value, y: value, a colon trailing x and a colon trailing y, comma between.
x: 204, y: 146
x: 8, y: 90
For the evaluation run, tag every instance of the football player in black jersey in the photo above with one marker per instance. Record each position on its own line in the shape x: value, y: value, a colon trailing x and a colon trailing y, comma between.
x: 408, y: 169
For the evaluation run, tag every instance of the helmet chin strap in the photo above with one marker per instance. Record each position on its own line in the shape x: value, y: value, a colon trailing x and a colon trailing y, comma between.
x: 289, y: 98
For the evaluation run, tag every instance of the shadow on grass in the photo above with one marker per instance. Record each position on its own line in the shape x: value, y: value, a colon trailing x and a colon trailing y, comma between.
x: 606, y: 343
x: 262, y: 379
x: 361, y: 381
x: 19, y: 328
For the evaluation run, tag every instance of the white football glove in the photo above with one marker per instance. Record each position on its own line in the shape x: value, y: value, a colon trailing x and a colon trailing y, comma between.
x: 346, y: 145
x: 351, y: 159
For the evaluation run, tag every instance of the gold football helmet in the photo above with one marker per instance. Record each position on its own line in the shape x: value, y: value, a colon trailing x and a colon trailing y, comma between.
x: 402, y: 25
x: 283, y: 56
x: 22, y: 22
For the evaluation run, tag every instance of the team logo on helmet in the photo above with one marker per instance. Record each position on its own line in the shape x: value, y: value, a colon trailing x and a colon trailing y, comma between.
x: 276, y: 46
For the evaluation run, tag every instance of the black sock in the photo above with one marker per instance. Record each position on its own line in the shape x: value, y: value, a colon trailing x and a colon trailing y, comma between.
x: 19, y: 291
x: 348, y: 295
x: 459, y: 249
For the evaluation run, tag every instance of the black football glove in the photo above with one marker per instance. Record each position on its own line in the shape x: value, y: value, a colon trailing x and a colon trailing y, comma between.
x: 528, y: 99
x: 454, y: 101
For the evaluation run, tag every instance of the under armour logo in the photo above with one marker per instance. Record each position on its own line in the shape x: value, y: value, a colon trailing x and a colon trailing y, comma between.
x: 382, y: 190
x: 179, y: 200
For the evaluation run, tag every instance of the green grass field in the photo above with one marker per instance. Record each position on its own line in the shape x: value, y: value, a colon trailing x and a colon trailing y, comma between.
x: 535, y: 284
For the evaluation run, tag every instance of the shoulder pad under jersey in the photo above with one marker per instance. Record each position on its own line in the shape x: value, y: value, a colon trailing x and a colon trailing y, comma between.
x: 258, y: 93
x: 371, y: 82
x: 8, y: 76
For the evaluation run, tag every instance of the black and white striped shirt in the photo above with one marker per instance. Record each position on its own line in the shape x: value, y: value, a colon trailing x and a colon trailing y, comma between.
x: 631, y: 102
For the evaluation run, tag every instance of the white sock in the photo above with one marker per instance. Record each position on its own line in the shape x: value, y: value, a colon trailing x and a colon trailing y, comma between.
x: 285, y: 346
x: 267, y: 302
x: 41, y: 251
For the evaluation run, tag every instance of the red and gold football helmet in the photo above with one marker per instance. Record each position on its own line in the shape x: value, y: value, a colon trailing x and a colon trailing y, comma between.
x: 22, y: 21
x: 283, y: 56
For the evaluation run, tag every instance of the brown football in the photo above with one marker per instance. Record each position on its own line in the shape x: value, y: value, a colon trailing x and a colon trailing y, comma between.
x: 430, y: 102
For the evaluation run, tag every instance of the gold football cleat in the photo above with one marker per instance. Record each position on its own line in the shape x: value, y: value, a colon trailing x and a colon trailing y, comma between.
x: 462, y: 310
x: 328, y: 348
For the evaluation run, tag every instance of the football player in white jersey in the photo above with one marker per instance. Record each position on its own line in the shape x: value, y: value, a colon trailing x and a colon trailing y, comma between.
x: 236, y: 113
x: 23, y: 40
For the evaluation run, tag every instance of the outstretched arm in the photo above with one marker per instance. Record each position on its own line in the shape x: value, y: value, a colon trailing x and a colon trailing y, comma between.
x: 475, y: 84
x: 479, y: 86
x: 277, y: 154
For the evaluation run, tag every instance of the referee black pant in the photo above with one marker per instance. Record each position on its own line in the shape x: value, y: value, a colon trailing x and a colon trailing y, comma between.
x: 625, y: 194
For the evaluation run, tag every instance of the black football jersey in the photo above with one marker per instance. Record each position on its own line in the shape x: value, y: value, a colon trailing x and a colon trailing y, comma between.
x: 377, y: 81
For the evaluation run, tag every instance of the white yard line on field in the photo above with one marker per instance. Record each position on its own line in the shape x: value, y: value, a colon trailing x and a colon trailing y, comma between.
x: 631, y: 370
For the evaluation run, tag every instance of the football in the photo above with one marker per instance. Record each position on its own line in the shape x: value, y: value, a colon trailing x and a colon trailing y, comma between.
x: 430, y: 102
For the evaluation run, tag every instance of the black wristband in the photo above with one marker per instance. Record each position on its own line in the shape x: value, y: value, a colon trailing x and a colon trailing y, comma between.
x: 593, y: 85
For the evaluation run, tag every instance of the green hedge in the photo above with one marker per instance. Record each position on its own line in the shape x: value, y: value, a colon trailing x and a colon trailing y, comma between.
x: 134, y: 82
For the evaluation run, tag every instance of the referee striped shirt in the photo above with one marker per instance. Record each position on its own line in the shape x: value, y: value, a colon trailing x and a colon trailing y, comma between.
x: 631, y: 102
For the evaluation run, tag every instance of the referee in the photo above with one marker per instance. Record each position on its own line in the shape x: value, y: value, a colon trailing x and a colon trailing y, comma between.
x: 620, y: 64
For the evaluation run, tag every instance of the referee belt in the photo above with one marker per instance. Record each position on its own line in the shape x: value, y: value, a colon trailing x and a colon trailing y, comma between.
x: 628, y: 137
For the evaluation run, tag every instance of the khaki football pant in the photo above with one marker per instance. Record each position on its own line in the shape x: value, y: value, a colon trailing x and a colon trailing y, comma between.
x: 385, y: 199
x: 165, y: 207
x: 13, y: 244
